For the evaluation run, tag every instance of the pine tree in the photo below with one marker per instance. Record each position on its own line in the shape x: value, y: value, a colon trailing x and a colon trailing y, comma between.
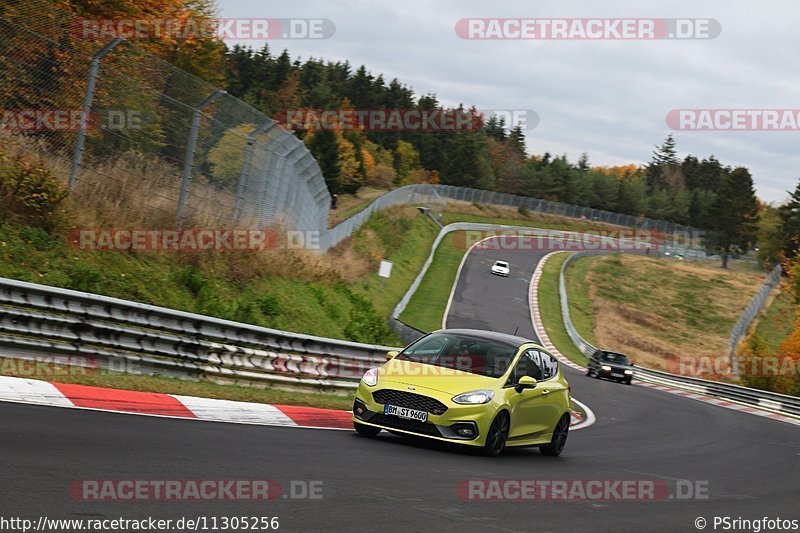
x: 790, y: 220
x: 325, y: 149
x: 664, y: 157
x: 734, y: 217
x: 516, y: 139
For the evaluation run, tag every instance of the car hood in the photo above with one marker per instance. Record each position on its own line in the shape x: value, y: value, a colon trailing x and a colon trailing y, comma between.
x: 446, y: 380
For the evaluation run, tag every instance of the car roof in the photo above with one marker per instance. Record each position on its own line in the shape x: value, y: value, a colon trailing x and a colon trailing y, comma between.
x: 610, y: 352
x: 491, y: 335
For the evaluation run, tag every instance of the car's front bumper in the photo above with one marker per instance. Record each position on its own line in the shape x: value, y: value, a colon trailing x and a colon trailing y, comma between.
x: 619, y: 375
x: 498, y: 273
x: 440, y: 427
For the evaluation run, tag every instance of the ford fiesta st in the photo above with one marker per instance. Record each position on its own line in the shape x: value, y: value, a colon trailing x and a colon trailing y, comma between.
x: 471, y: 387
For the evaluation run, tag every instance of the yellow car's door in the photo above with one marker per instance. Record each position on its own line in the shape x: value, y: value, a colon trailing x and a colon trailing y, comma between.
x: 534, y: 411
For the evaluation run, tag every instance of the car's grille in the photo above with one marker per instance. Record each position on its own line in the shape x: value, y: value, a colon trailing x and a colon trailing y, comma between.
x: 410, y: 400
x: 415, y: 426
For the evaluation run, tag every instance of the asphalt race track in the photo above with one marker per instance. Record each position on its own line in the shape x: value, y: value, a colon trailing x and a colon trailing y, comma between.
x: 751, y: 465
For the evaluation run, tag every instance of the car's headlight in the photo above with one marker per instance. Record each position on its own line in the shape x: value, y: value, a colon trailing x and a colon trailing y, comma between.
x: 370, y: 378
x: 474, y: 397
x: 606, y: 368
x: 629, y: 372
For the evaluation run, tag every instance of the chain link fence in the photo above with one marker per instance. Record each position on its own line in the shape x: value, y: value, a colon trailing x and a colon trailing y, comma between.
x: 752, y: 310
x: 679, y: 235
x: 678, y: 240
x: 144, y: 139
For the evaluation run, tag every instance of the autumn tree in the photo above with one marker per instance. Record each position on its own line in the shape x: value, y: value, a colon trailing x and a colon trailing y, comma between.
x: 226, y: 156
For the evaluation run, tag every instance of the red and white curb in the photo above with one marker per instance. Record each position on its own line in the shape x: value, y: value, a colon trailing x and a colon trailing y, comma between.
x: 31, y: 391
x: 36, y: 392
x: 536, y: 315
x: 538, y: 327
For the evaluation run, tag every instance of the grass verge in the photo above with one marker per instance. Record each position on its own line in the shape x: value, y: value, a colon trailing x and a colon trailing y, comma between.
x: 655, y: 310
x: 776, y: 322
x: 338, y: 295
x: 426, y: 308
x: 348, y: 205
x: 580, y: 302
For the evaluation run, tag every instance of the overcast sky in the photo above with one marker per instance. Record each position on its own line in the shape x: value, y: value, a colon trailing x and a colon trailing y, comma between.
x: 607, y: 98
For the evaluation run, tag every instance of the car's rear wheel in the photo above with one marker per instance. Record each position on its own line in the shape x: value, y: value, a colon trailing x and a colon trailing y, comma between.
x: 589, y: 372
x: 559, y: 439
x: 367, y: 431
x: 498, y: 433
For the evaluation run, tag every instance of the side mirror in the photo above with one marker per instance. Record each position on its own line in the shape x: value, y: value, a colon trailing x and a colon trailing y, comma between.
x: 391, y: 355
x: 525, y: 382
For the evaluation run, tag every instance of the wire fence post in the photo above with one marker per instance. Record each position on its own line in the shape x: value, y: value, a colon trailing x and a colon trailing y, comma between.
x: 191, y: 144
x: 94, y: 68
x: 248, y: 157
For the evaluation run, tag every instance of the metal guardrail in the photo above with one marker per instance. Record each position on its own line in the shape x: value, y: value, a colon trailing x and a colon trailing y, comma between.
x: 37, y: 320
x: 583, y: 345
x: 771, y: 401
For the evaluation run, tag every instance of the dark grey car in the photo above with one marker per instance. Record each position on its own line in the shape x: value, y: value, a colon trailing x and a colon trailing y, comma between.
x: 610, y: 365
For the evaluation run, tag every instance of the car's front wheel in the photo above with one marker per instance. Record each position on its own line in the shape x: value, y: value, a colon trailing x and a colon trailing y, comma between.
x: 559, y: 439
x: 498, y: 433
x: 367, y: 431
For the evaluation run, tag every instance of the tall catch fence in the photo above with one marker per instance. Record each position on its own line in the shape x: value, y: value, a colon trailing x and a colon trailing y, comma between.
x: 137, y: 135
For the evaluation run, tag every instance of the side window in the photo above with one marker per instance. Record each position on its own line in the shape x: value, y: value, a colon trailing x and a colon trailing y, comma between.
x: 529, y: 364
x: 549, y: 365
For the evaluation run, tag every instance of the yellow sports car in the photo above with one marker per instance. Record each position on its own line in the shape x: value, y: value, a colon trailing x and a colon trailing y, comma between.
x: 472, y: 387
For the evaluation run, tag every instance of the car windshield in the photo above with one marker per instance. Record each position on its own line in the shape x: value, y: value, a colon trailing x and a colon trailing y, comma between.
x: 500, y: 264
x: 467, y: 353
x: 614, y: 358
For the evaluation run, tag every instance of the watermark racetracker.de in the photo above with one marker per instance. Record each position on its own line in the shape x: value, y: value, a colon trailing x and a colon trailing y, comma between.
x: 192, y: 239
x: 59, y: 366
x: 730, y: 367
x: 583, y: 29
x: 734, y: 119
x: 136, y: 490
x: 38, y: 120
x: 581, y: 490
x: 239, y: 29
x: 402, y: 119
x: 622, y: 240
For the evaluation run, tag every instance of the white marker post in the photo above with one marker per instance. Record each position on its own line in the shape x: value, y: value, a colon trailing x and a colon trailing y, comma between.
x: 385, y: 270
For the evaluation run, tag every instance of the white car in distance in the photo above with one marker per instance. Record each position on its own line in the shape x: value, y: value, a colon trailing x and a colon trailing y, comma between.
x: 500, y: 268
